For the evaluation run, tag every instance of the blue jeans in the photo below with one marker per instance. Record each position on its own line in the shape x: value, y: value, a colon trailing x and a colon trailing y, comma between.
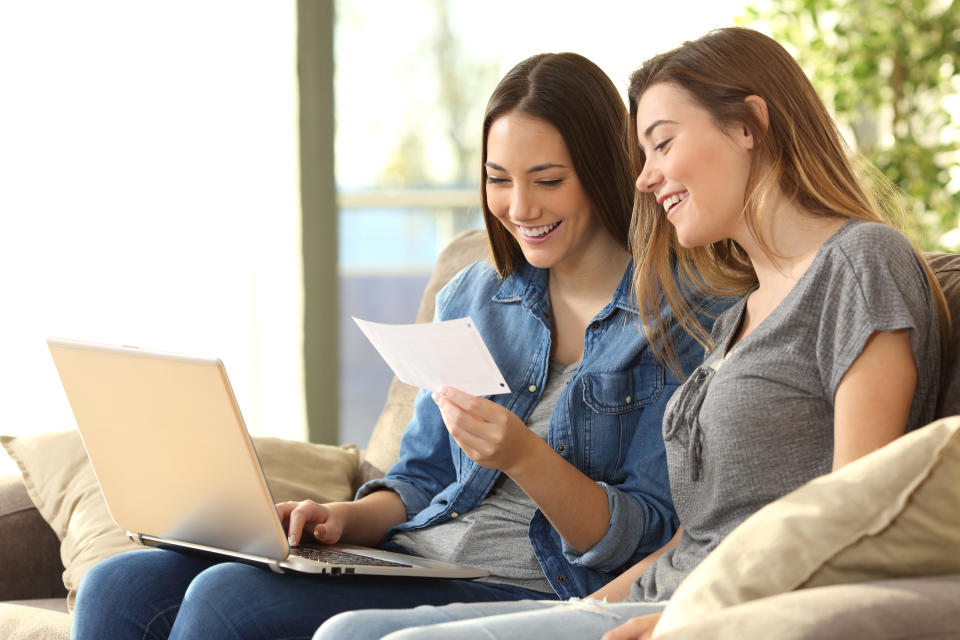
x: 164, y: 594
x: 571, y: 620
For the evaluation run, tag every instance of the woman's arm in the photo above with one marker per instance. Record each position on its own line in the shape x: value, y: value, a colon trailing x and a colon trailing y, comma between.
x: 871, y: 407
x: 619, y: 588
x: 575, y: 505
x: 364, y: 521
x: 872, y: 402
x: 423, y: 469
x: 496, y: 438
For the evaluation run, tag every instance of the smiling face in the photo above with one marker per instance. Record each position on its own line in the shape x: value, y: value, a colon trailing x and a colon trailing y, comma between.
x: 534, y: 192
x: 697, y: 170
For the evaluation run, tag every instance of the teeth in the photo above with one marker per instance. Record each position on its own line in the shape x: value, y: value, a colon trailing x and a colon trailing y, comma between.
x: 673, y: 200
x: 536, y: 232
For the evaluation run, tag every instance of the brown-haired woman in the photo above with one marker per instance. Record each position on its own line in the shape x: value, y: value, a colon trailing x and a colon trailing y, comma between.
x: 832, y: 352
x: 554, y: 487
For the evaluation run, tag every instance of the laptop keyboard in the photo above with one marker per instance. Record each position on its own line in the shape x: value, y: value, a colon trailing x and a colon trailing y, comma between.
x: 336, y: 556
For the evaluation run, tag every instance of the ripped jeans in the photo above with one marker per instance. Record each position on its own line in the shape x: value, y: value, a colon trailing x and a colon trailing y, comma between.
x: 571, y: 620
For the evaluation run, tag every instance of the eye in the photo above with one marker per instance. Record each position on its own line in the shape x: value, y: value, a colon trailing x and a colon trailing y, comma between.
x: 496, y: 180
x: 662, y: 145
x: 550, y: 183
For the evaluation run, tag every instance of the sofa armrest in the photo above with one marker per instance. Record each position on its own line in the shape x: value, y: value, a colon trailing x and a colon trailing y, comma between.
x: 29, y: 549
x: 899, y: 608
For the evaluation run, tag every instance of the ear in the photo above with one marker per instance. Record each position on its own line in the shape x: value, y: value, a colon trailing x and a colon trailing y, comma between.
x: 759, y: 107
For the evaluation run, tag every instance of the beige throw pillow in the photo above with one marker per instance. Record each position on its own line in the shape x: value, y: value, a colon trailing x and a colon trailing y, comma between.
x: 60, y: 481
x: 893, y: 513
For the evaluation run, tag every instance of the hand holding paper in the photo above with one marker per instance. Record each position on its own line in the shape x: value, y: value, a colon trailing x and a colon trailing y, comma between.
x: 431, y: 355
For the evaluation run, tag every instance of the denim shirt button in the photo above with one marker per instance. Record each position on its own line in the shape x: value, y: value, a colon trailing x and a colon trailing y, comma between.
x: 454, y: 514
x: 561, y: 578
x: 532, y: 388
x: 629, y: 399
x: 595, y: 326
x: 561, y: 448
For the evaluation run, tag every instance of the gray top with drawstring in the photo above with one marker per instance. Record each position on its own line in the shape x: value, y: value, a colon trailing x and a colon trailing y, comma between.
x: 755, y: 421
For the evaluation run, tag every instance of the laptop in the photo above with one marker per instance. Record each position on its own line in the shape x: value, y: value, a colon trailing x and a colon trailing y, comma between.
x: 178, y: 469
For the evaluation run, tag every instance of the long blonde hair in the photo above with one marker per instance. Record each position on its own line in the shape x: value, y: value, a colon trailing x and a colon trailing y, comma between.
x: 799, y: 152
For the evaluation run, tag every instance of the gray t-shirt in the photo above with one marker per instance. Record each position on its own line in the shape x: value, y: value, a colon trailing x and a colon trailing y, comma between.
x: 750, y: 427
x: 494, y: 535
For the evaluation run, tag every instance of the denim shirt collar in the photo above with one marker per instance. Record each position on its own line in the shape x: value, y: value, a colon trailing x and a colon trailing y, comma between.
x: 528, y: 286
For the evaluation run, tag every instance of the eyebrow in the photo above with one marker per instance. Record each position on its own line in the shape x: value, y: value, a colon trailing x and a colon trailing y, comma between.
x: 657, y: 123
x: 535, y: 168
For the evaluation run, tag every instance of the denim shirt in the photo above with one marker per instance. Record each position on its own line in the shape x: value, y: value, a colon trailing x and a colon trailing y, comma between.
x: 607, y: 423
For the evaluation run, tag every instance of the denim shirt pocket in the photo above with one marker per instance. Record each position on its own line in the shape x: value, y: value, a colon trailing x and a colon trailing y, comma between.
x: 613, y: 398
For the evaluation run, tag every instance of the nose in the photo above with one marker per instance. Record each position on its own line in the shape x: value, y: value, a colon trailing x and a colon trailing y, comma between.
x: 649, y: 178
x: 522, y: 206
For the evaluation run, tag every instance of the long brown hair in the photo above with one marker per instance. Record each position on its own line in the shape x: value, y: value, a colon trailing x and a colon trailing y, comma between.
x: 575, y: 96
x: 799, y: 151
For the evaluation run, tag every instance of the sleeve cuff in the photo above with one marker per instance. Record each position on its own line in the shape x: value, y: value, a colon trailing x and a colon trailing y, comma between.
x: 414, y: 500
x: 610, y: 553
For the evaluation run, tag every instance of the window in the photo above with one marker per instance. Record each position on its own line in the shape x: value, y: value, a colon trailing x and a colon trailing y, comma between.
x: 150, y: 190
x: 149, y: 164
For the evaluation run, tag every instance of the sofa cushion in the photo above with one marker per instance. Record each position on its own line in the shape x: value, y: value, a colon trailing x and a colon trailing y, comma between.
x: 60, y: 482
x: 902, y: 609
x: 384, y: 446
x: 892, y: 513
x: 22, y: 622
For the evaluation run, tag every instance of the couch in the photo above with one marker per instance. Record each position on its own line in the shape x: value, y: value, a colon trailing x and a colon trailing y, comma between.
x: 48, y: 536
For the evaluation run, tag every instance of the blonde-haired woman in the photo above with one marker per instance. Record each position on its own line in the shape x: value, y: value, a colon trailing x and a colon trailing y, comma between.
x: 746, y: 188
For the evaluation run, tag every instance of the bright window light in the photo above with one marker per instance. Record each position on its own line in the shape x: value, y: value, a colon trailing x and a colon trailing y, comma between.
x: 148, y: 161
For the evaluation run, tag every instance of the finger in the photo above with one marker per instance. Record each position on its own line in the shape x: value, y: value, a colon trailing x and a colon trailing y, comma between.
x: 303, y: 513
x: 284, y: 509
x: 324, y: 534
x: 294, y: 528
x: 449, y: 409
x: 476, y: 446
x: 481, y: 408
x: 473, y: 447
x: 466, y: 430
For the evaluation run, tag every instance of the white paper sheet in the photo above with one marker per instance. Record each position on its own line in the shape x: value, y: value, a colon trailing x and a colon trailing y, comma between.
x: 434, y: 354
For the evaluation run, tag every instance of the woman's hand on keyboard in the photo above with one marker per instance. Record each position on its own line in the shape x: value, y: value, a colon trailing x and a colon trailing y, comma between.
x: 309, y: 519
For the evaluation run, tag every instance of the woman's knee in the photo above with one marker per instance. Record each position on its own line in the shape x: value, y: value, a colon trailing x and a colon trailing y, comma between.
x: 226, y: 585
x: 115, y: 576
x: 140, y: 584
x: 343, y: 626
x: 373, y: 624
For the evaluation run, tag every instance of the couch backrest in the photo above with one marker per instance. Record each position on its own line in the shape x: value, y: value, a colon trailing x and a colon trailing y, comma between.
x: 471, y: 245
